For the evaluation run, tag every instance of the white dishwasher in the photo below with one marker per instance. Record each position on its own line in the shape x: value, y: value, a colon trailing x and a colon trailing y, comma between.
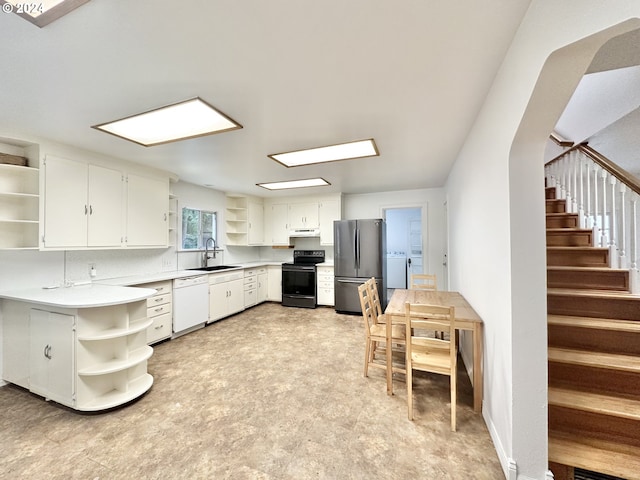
x: 190, y: 303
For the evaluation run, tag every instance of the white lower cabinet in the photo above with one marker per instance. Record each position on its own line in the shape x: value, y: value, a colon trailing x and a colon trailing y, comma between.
x: 263, y: 285
x: 88, y: 359
x: 226, y: 294
x: 274, y: 279
x: 325, y: 276
x: 52, y: 356
x: 250, y: 287
x: 159, y: 311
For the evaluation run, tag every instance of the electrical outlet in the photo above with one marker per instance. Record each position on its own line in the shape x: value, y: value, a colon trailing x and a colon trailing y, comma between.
x: 93, y: 272
x: 167, y: 263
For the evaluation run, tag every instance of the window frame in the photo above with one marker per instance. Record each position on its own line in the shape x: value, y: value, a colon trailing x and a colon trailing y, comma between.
x: 201, y: 236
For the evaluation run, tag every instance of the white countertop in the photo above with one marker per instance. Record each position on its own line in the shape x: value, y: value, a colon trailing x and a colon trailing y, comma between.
x: 173, y: 274
x: 79, y: 296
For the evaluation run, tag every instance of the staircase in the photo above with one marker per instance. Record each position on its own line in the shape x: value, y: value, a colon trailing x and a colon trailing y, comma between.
x: 594, y: 355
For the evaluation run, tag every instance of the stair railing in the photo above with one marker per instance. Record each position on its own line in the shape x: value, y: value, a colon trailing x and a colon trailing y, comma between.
x: 605, y: 197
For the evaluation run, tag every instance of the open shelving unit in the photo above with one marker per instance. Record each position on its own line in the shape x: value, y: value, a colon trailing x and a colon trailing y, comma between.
x: 19, y: 207
x: 112, y: 354
x: 236, y: 220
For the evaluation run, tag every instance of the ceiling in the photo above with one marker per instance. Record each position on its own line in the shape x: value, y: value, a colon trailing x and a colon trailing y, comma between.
x: 296, y: 74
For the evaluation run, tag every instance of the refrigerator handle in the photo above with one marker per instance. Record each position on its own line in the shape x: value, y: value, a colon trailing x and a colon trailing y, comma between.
x: 358, y: 248
x: 355, y: 248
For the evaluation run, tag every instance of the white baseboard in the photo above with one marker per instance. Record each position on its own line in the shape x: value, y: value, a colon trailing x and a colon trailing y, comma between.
x: 502, y: 455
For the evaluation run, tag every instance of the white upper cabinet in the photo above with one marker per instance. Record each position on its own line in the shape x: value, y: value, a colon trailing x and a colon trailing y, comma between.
x: 303, y: 215
x: 255, y: 227
x: 89, y: 206
x: 276, y: 224
x: 147, y: 211
x: 82, y: 206
x: 105, y: 207
x: 329, y: 210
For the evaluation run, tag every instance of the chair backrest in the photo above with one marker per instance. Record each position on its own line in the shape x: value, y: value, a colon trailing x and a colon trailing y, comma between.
x: 436, y: 318
x: 375, y: 296
x: 368, y: 310
x: 423, y: 281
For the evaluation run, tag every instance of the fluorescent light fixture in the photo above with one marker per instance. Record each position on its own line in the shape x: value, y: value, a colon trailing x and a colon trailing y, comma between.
x: 309, y: 182
x: 330, y: 153
x: 42, y: 12
x: 179, y: 121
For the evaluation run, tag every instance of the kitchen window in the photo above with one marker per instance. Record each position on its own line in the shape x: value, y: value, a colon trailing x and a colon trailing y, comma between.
x: 197, y: 227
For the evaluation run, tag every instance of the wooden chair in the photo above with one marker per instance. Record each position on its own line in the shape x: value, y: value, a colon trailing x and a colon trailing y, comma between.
x: 424, y: 281
x: 375, y: 328
x: 431, y: 354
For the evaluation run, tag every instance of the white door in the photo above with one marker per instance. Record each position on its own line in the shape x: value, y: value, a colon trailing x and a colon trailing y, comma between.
x: 51, y: 364
x: 147, y: 211
x: 65, y: 203
x: 105, y: 207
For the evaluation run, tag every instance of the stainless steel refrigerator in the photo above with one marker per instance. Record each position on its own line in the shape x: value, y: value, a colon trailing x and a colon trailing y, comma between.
x: 359, y: 254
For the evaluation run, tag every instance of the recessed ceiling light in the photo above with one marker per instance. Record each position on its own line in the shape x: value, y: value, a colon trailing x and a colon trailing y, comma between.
x: 43, y: 12
x: 309, y: 182
x: 179, y: 121
x: 330, y: 153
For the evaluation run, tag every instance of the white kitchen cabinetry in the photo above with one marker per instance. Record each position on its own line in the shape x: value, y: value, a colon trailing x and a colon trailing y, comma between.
x: 159, y: 311
x: 173, y: 221
x: 274, y: 289
x: 325, y: 275
x: 328, y: 211
x: 147, y: 211
x: 87, y: 358
x: 82, y: 205
x: 19, y: 207
x: 52, y: 356
x: 303, y: 215
x: 250, y: 287
x: 226, y: 294
x: 276, y: 224
x: 263, y: 284
x: 244, y: 220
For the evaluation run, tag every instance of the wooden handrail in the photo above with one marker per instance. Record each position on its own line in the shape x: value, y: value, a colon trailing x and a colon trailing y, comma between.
x: 620, y: 173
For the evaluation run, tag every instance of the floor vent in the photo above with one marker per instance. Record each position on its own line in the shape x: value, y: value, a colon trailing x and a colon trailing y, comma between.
x: 587, y: 475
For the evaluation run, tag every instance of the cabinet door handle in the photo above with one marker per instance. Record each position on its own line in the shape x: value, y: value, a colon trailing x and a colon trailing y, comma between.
x: 158, y: 300
x: 47, y: 351
x: 86, y: 210
x: 159, y: 327
x: 90, y: 209
x: 159, y: 309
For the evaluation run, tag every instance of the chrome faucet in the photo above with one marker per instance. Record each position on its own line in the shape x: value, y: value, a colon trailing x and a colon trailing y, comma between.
x: 206, y: 256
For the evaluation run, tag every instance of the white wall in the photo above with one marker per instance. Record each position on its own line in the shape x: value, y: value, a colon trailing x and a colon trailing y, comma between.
x: 496, y: 215
x: 433, y: 218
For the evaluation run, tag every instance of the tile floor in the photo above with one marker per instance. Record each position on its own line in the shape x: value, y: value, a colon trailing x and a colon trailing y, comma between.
x: 271, y: 393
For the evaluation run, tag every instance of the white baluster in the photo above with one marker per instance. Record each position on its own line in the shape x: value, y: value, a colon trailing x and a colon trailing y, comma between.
x: 574, y: 174
x: 604, y: 242
x: 633, y: 273
x: 622, y: 239
x: 581, y: 203
x: 588, y: 213
x: 613, y: 225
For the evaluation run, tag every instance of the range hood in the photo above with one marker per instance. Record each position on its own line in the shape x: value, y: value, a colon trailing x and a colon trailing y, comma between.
x: 304, y: 232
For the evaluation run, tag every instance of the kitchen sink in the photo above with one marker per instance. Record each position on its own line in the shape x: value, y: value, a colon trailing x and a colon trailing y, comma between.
x: 214, y: 268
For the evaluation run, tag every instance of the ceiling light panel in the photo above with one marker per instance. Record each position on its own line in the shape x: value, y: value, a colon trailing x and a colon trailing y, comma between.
x: 330, y: 153
x: 179, y: 121
x: 309, y: 182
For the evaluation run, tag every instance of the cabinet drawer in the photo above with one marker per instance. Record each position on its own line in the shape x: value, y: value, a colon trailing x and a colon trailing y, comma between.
x: 250, y: 297
x: 250, y: 272
x: 158, y: 310
x: 251, y: 279
x: 250, y: 285
x: 325, y: 278
x: 325, y: 271
x: 162, y: 288
x: 158, y: 300
x: 325, y: 285
x: 160, y: 328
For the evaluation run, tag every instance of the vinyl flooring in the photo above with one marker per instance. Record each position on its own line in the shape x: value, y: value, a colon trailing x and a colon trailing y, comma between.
x: 270, y: 393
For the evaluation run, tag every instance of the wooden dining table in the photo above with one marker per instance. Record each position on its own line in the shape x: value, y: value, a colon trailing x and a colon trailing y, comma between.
x: 466, y: 319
